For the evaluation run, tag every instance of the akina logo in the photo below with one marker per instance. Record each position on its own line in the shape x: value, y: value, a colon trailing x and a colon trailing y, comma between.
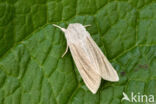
x: 138, y: 97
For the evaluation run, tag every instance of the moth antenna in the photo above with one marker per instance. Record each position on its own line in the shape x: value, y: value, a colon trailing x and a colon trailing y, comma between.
x: 63, y: 29
x: 87, y: 25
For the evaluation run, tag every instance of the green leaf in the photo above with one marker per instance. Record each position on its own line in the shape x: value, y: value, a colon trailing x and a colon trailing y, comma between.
x: 32, y: 70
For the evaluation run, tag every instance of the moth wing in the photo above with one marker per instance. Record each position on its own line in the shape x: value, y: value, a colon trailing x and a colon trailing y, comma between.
x: 91, y: 78
x: 105, y: 69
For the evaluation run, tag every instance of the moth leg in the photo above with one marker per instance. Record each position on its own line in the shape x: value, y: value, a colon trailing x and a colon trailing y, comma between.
x: 65, y: 51
x: 87, y: 25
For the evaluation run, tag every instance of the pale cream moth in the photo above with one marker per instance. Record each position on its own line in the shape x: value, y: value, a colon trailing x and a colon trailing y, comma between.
x: 89, y: 59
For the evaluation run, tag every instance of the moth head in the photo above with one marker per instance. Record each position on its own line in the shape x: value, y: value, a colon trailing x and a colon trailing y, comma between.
x: 78, y: 25
x: 71, y: 26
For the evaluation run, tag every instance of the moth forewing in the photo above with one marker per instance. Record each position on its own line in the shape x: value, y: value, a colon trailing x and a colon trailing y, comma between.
x: 105, y: 69
x: 89, y: 59
x: 90, y: 77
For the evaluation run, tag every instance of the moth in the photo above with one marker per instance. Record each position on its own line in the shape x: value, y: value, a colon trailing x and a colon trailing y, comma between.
x: 91, y: 63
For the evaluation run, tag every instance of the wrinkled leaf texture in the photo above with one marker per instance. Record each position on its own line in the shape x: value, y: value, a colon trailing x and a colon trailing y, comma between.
x: 32, y: 70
